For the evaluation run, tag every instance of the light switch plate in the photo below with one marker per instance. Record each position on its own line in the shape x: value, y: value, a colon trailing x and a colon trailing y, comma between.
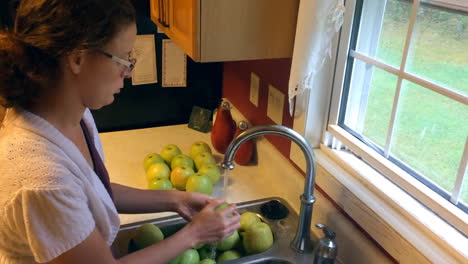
x: 275, y: 105
x: 254, y: 88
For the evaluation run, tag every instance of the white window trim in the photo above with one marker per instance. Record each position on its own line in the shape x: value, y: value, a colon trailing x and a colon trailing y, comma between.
x: 394, y: 219
x: 402, y: 226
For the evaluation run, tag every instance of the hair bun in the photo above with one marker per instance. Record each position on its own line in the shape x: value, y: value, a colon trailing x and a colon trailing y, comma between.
x: 17, y: 75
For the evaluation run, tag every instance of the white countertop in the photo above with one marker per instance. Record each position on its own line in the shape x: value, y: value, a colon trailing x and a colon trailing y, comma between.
x: 273, y: 175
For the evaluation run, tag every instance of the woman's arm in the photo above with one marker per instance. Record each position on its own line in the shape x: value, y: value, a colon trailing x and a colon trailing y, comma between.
x: 133, y: 201
x: 207, y: 226
x: 130, y: 200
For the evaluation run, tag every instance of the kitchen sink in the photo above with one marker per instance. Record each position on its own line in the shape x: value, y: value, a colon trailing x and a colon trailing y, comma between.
x: 276, y: 212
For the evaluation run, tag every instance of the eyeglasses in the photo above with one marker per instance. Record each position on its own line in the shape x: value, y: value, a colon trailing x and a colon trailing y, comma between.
x: 129, y: 64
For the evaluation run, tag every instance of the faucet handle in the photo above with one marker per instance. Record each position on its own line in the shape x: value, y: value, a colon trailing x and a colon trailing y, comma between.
x: 326, y: 231
x: 326, y: 249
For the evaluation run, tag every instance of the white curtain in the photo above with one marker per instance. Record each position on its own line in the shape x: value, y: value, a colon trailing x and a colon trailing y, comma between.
x: 317, y: 23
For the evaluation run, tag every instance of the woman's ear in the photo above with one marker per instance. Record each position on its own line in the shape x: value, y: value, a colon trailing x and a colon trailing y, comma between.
x: 75, y: 60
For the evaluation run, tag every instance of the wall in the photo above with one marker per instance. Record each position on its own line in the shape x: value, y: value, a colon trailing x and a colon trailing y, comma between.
x: 236, y: 88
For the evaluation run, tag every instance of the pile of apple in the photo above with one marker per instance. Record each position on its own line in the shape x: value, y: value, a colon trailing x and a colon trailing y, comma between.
x: 171, y: 169
x: 254, y: 236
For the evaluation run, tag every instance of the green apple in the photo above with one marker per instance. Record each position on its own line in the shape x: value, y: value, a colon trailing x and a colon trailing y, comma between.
x: 190, y: 256
x: 208, y: 251
x: 180, y: 175
x: 199, y: 147
x: 169, y: 152
x: 247, y: 219
x: 199, y: 183
x: 150, y: 159
x: 207, y: 261
x: 229, y: 242
x: 180, y: 160
x: 229, y: 255
x: 158, y: 171
x: 257, y: 238
x: 221, y: 206
x: 197, y: 247
x: 147, y: 235
x: 176, y: 260
x: 203, y: 158
x: 160, y: 184
x: 212, y: 171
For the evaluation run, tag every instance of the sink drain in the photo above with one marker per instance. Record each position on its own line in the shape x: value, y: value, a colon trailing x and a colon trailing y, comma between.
x: 274, y: 210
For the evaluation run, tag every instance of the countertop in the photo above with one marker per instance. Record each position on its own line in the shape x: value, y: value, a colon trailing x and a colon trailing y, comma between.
x: 272, y: 176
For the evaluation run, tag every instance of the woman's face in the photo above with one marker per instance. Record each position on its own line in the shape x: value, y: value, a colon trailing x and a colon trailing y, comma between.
x: 103, y: 77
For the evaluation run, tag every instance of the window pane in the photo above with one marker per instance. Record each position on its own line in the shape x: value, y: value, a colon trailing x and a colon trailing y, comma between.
x: 430, y: 134
x: 370, y: 102
x: 388, y: 32
x: 439, y: 47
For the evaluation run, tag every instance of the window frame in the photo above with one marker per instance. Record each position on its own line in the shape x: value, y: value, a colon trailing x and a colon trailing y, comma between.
x: 336, y: 136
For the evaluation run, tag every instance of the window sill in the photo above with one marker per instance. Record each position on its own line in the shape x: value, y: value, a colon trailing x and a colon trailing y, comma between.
x: 409, y: 232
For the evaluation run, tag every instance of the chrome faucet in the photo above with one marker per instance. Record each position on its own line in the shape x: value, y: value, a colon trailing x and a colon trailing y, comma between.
x: 302, y: 241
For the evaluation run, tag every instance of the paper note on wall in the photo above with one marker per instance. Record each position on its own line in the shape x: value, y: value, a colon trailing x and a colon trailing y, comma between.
x: 145, y: 69
x: 174, y: 70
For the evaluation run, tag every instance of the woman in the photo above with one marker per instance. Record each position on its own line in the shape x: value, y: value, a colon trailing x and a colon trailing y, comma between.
x: 63, y: 58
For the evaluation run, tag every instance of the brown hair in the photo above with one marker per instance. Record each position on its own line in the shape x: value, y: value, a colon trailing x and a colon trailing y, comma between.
x: 44, y: 31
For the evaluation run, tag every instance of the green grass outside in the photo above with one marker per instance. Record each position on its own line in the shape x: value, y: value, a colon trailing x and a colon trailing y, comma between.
x: 430, y: 129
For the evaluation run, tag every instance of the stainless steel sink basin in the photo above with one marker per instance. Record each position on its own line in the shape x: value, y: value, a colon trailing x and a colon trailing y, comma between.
x: 270, y: 210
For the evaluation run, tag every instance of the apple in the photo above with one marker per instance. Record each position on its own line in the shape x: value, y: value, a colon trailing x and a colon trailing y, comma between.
x: 257, y: 238
x: 229, y: 242
x: 208, y: 251
x: 199, y: 246
x: 199, y: 147
x: 160, y: 184
x: 175, y: 260
x: 180, y: 160
x: 158, y: 171
x: 150, y: 159
x: 221, y: 206
x: 207, y: 261
x: 247, y: 219
x: 199, y: 183
x: 203, y: 158
x: 169, y: 152
x: 147, y: 235
x: 229, y: 255
x: 212, y: 171
x: 180, y: 175
x: 190, y: 256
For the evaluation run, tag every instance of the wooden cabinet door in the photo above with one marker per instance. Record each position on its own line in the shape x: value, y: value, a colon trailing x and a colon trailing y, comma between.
x: 183, y: 17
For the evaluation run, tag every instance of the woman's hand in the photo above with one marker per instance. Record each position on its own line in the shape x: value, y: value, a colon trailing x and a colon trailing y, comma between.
x: 211, y: 225
x: 188, y: 204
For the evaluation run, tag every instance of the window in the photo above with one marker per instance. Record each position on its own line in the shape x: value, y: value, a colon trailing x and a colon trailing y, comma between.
x: 404, y: 94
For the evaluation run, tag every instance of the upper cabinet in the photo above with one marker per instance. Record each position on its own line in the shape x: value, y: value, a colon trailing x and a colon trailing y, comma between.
x: 229, y: 30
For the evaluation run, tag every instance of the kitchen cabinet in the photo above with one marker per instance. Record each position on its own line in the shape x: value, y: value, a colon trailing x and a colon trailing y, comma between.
x: 228, y: 30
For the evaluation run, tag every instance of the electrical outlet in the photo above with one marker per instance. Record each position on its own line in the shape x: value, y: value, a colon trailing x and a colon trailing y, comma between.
x: 254, y: 87
x: 275, y: 105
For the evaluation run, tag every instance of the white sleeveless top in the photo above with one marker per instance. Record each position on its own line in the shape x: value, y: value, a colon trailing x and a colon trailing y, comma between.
x: 50, y: 198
